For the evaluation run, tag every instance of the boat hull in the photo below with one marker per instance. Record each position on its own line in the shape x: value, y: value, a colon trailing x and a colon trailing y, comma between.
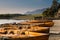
x: 32, y: 38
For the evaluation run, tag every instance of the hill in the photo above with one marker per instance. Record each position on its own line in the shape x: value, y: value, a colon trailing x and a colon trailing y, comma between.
x: 38, y: 11
x: 9, y: 16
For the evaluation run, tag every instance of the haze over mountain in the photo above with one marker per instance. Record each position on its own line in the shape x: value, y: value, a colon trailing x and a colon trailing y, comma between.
x: 36, y: 11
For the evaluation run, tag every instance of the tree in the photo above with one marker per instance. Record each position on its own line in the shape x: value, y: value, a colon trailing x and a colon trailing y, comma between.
x: 51, y: 12
x: 45, y: 13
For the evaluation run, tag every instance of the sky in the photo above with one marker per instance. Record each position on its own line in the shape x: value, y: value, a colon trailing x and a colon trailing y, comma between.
x: 22, y: 6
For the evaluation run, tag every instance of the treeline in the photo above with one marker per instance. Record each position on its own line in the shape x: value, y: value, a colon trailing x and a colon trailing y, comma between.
x: 10, y: 16
x: 52, y: 11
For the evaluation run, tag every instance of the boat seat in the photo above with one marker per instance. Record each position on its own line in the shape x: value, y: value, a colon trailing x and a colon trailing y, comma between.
x: 20, y: 27
x: 11, y: 32
x: 6, y: 32
x: 23, y: 33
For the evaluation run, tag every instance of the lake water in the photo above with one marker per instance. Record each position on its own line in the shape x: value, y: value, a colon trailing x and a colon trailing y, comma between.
x: 3, y: 21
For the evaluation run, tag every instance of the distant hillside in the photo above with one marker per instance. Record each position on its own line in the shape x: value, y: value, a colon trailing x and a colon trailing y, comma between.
x: 9, y: 16
x: 19, y: 16
x: 36, y: 11
x: 26, y: 17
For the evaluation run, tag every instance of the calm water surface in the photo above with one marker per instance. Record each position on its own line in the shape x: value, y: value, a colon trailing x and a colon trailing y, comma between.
x: 3, y: 21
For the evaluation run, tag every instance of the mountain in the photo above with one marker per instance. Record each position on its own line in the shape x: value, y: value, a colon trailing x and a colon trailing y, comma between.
x: 36, y: 11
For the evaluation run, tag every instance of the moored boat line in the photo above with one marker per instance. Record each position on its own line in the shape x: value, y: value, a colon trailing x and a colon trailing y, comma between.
x: 32, y: 28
